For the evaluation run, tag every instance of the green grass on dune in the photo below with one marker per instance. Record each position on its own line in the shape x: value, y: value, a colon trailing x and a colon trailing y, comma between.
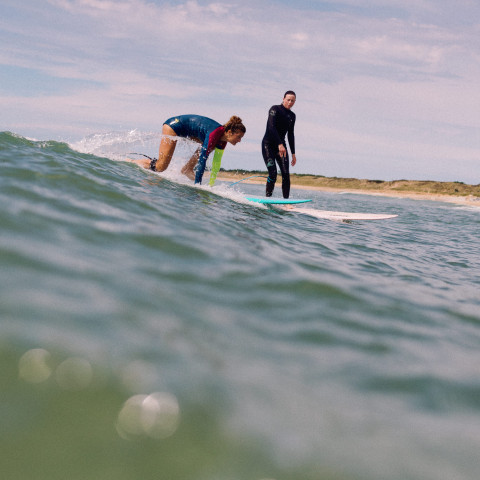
x: 411, y: 186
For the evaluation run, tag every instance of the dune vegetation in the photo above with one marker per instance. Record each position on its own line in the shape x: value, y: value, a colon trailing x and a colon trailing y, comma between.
x: 380, y: 186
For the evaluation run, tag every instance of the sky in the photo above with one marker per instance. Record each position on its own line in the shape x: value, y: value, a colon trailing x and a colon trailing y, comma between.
x: 386, y: 89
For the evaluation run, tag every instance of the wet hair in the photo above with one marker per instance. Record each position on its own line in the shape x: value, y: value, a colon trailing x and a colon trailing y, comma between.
x: 235, y: 125
x: 290, y: 92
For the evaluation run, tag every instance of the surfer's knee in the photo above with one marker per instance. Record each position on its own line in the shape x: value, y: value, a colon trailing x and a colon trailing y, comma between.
x: 272, y: 177
x: 189, y: 174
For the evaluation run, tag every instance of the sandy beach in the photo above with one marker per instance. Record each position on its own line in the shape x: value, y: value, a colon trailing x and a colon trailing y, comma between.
x: 469, y: 200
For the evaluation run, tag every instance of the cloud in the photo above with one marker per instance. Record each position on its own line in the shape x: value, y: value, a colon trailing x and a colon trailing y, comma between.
x: 395, y: 80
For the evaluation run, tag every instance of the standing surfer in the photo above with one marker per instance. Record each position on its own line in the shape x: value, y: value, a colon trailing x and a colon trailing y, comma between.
x: 209, y: 133
x: 281, y: 122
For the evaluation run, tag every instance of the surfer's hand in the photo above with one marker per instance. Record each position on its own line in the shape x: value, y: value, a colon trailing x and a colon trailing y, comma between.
x: 282, y: 151
x: 294, y: 160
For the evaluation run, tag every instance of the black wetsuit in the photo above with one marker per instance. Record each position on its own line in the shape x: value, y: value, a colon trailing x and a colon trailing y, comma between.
x: 281, y: 121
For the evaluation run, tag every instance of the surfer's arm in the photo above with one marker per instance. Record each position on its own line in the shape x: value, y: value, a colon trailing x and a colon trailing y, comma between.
x: 291, y: 136
x: 200, y: 167
x: 217, y: 162
x: 291, y: 141
x: 208, y: 145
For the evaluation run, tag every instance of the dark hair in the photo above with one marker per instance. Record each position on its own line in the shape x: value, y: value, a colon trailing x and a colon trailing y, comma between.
x: 290, y: 92
x: 235, y: 125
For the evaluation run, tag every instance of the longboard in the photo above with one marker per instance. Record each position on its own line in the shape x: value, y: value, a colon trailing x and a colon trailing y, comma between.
x: 287, y: 204
x: 339, y: 216
x: 278, y: 201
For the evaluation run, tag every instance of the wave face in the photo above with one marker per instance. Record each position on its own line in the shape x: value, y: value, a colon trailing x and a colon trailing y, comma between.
x: 155, y: 330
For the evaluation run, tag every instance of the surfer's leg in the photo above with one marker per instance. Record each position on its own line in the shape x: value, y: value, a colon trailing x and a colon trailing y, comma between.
x: 283, y: 163
x: 188, y: 168
x: 167, y: 147
x: 269, y: 159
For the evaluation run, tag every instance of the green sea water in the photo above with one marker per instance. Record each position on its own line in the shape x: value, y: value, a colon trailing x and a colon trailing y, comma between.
x: 151, y: 330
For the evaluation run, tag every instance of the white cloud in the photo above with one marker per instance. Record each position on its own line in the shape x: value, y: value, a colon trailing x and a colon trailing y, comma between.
x: 397, y: 80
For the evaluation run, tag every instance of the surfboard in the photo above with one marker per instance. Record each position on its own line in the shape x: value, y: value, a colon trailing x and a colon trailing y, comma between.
x: 278, y: 201
x: 287, y: 204
x: 339, y: 216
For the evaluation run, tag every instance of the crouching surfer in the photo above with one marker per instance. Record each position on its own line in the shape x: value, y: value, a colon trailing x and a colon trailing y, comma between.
x: 209, y: 133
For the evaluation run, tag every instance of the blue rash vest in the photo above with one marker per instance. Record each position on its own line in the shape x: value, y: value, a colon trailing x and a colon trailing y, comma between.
x: 208, y: 131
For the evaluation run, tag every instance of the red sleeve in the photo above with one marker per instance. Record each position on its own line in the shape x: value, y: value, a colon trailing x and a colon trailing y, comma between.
x: 214, y: 140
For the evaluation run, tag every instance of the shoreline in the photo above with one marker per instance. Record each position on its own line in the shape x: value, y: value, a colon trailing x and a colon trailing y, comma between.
x: 466, y: 200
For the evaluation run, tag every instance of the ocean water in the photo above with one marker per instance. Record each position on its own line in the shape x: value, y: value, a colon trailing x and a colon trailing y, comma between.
x: 151, y: 330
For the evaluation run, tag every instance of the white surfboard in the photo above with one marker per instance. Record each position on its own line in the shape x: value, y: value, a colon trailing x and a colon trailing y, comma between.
x: 339, y: 216
x: 285, y: 204
x: 278, y: 201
